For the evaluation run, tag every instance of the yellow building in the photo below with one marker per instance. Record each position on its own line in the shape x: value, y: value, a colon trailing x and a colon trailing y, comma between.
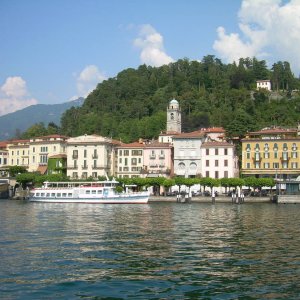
x: 18, y: 153
x: 271, y: 152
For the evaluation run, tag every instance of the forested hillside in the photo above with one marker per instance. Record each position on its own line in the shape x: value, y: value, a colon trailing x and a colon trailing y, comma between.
x: 133, y: 104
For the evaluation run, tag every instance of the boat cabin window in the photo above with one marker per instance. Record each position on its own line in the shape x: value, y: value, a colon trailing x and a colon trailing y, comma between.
x: 99, y: 192
x: 52, y: 194
x: 42, y: 194
x: 64, y: 194
x: 88, y: 192
x: 58, y: 194
x: 93, y: 192
x: 48, y: 195
x: 37, y: 194
x: 69, y: 194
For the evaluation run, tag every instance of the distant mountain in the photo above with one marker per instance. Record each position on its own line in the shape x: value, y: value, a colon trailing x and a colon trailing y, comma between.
x: 24, y: 118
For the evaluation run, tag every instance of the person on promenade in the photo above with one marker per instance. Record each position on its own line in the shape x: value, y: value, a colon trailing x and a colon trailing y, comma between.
x: 233, y: 195
x: 213, y: 196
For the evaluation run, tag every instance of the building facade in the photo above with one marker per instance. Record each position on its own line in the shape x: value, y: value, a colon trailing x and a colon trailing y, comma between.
x: 187, y: 153
x: 90, y: 156
x: 43, y: 148
x: 271, y: 152
x: 130, y: 160
x: 218, y: 160
x: 18, y: 152
x: 263, y: 84
x: 158, y: 159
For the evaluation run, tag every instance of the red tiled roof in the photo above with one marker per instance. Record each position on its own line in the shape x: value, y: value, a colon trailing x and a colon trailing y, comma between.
x: 51, y: 136
x: 132, y: 145
x: 157, y: 144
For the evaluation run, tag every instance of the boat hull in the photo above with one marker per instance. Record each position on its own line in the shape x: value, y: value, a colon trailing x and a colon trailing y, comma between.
x: 108, y: 200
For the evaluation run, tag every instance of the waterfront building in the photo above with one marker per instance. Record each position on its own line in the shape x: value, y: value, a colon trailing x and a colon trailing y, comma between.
x: 3, y: 159
x: 219, y: 160
x: 158, y: 159
x: 271, y: 152
x: 48, y: 149
x: 18, y: 153
x: 130, y: 159
x: 187, y: 153
x: 90, y: 156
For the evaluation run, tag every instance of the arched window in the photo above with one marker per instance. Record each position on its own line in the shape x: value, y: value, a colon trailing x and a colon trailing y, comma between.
x: 294, y: 147
x: 172, y: 116
x: 275, y: 147
x: 257, y: 147
x: 248, y: 148
x: 285, y: 147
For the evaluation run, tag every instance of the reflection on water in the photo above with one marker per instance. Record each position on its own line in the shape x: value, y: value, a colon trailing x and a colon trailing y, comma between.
x: 154, y: 251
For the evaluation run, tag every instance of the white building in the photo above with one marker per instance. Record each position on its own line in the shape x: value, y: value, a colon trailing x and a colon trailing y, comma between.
x: 263, y: 84
x: 187, y: 153
x: 90, y: 156
x: 218, y: 160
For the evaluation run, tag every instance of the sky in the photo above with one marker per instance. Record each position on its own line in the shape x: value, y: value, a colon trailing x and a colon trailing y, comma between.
x: 53, y: 51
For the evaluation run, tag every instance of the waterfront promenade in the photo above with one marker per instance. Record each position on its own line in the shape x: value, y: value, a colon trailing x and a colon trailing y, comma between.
x: 203, y: 199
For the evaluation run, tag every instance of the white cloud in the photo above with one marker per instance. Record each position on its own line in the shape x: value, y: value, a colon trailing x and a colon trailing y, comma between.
x: 87, y: 80
x: 152, y: 49
x: 14, y: 95
x: 269, y: 29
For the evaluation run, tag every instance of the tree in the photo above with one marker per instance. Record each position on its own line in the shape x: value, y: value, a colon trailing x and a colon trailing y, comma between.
x: 167, y: 183
x: 15, y: 170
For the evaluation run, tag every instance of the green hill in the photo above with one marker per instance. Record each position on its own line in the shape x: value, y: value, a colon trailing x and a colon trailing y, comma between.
x: 211, y: 93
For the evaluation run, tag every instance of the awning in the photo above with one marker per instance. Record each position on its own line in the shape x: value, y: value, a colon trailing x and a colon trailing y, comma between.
x: 42, y: 169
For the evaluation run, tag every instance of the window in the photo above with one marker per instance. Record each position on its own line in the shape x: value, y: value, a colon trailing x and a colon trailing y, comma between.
x: 207, y: 163
x: 75, y: 154
x: 216, y: 151
x: 294, y: 165
x: 248, y: 155
x: 216, y: 174
x: 207, y: 151
x: 294, y: 154
x: 75, y: 164
x: 285, y: 147
x: 248, y: 165
x: 85, y: 153
x: 284, y: 165
x: 137, y: 152
x: 207, y: 174
x: 266, y: 155
x: 225, y: 174
x: 248, y: 148
x: 276, y: 165
x: 266, y: 165
x: 75, y: 175
x: 126, y: 161
x: 216, y: 163
x: 276, y: 154
x: 120, y: 169
x: 120, y: 160
x: 275, y: 147
x: 257, y: 147
x: 257, y: 166
x: 126, y: 152
x: 134, y: 161
x: 120, y: 152
x: 225, y: 151
x: 225, y: 163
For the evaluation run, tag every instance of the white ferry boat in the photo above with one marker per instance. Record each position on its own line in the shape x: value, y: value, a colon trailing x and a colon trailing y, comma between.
x: 97, y: 192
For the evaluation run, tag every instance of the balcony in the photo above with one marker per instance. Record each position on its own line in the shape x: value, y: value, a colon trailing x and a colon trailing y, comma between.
x: 152, y: 156
x: 161, y: 156
x: 95, y: 156
x: 84, y: 167
x: 75, y: 156
x: 72, y: 167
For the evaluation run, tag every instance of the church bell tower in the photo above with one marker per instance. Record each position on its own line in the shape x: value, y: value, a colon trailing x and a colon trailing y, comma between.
x: 173, y: 117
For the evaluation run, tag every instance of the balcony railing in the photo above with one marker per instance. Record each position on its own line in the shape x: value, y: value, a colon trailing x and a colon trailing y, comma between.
x: 72, y: 167
x: 75, y: 156
x: 152, y: 156
x: 84, y: 167
x: 95, y: 156
x: 97, y: 167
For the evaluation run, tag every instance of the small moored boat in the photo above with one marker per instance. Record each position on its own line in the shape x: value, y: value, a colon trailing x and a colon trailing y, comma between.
x: 96, y: 192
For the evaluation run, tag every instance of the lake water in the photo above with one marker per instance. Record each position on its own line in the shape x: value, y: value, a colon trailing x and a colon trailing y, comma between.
x: 153, y: 251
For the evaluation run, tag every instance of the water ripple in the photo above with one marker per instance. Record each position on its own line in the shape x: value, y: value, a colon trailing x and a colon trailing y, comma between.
x: 154, y: 251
